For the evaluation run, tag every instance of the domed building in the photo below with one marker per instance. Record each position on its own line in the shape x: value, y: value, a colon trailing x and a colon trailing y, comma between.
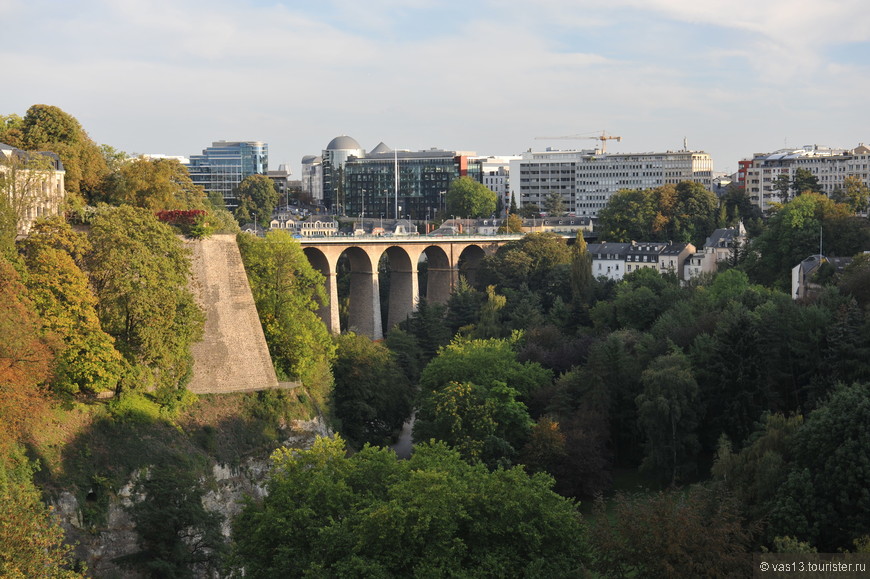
x: 335, y: 155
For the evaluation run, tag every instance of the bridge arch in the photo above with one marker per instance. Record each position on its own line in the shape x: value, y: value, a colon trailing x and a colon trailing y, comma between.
x: 439, y: 275
x: 364, y: 309
x: 468, y: 262
x: 404, y: 283
x: 328, y: 311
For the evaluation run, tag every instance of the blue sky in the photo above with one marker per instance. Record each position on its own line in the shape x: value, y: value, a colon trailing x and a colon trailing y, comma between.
x: 733, y: 77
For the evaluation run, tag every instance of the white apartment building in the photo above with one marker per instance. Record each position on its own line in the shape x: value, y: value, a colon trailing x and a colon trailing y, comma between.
x: 587, y: 179
x: 614, y: 260
x: 495, y: 174
x: 830, y: 167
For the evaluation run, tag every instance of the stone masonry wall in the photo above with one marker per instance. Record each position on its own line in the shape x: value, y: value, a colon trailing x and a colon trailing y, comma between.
x: 233, y: 355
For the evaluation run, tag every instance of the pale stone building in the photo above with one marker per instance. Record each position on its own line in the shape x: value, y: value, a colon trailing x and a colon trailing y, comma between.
x: 33, y: 184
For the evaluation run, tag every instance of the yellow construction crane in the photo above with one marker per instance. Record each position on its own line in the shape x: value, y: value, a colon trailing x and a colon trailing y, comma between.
x: 603, y: 137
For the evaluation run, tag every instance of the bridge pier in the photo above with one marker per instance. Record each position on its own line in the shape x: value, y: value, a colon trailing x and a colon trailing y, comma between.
x: 364, y: 316
x: 440, y: 284
x: 404, y: 295
x: 329, y: 311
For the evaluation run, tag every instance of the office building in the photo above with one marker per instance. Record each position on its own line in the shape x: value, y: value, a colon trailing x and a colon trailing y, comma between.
x: 221, y: 167
x: 586, y: 179
x: 391, y: 183
x: 829, y: 166
x: 312, y: 179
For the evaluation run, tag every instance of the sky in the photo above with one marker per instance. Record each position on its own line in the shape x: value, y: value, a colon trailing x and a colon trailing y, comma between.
x: 732, y: 77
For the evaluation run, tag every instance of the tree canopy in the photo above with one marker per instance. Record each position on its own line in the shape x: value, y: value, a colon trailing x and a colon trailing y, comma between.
x: 48, y: 128
x: 686, y: 212
x: 328, y: 514
x: 257, y: 196
x: 797, y: 230
x: 288, y: 293
x: 372, y: 396
x: 87, y: 361
x: 154, y: 184
x: 149, y: 310
x: 470, y: 199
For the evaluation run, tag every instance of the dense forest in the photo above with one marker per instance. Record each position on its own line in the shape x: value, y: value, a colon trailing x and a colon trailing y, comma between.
x: 559, y: 418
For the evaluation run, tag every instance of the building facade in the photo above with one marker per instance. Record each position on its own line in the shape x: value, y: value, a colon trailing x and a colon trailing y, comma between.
x: 312, y: 179
x: 587, y: 179
x: 829, y: 166
x: 614, y: 260
x: 495, y: 174
x: 32, y: 184
x: 388, y: 183
x: 221, y: 167
x: 283, y: 184
x: 333, y: 161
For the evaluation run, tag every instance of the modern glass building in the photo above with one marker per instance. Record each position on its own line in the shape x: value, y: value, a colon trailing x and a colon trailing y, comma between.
x: 225, y: 164
x: 370, y: 187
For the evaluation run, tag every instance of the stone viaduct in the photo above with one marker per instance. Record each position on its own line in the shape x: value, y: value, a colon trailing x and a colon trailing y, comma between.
x: 446, y: 258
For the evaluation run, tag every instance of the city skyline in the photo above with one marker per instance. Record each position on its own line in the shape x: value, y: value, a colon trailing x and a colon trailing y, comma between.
x: 732, y: 78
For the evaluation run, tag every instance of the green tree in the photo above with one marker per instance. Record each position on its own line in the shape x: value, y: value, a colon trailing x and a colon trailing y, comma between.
x: 48, y: 128
x: 178, y: 537
x: 463, y: 306
x: 288, y: 293
x: 855, y: 280
x: 156, y: 185
x: 628, y: 215
x: 695, y: 214
x: 87, y: 361
x: 793, y: 233
x: 782, y: 184
x: 513, y: 223
x: 149, y: 310
x: 488, y: 325
x: 554, y: 205
x: 581, y: 273
x: 683, y: 212
x: 756, y: 472
x: 372, y: 396
x: 530, y: 211
x: 805, y: 182
x: 668, y: 413
x: 854, y: 193
x: 532, y: 260
x: 327, y: 514
x: 640, y: 298
x: 31, y: 540
x: 427, y: 327
x: 739, y: 207
x: 483, y: 423
x: 672, y: 534
x: 257, y: 195
x: 470, y: 199
x: 483, y: 362
x: 824, y: 499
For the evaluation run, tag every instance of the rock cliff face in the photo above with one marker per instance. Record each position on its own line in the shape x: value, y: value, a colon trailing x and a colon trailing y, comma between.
x: 99, y: 547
